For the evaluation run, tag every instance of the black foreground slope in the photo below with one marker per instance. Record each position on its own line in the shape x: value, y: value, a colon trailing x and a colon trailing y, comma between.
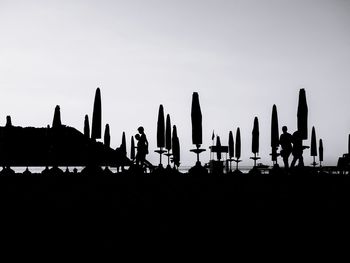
x: 64, y: 146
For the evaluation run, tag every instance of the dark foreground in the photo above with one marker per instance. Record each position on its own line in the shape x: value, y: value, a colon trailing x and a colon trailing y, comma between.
x: 101, y: 210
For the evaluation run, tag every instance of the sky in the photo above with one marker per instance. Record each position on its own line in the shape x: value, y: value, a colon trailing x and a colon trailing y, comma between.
x: 241, y: 56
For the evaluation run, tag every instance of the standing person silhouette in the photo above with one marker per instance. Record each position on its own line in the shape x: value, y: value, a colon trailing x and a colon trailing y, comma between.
x: 142, y: 146
x: 286, y: 144
x: 298, y: 149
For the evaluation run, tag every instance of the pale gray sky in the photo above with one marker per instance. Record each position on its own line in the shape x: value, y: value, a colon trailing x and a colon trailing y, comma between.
x: 241, y: 56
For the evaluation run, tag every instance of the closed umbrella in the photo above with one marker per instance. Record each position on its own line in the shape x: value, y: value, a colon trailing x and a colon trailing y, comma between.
x: 255, y: 140
x: 230, y: 148
x: 86, y: 127
x: 230, y: 145
x: 56, y: 123
x: 196, y: 119
x: 274, y: 134
x: 132, y: 149
x: 123, y: 145
x: 160, y: 128
x: 176, y: 147
x: 168, y: 137
x: 160, y: 133
x: 313, y: 146
x: 97, y: 116
x: 107, y: 136
x: 320, y: 152
x: 238, y: 147
x: 218, y: 146
x: 302, y: 115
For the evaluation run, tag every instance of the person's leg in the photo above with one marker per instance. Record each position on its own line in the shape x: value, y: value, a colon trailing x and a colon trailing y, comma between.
x: 293, y: 161
x: 285, y: 160
x: 301, y: 161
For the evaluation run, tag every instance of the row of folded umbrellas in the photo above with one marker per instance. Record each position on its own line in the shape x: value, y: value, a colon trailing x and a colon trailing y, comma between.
x: 168, y: 141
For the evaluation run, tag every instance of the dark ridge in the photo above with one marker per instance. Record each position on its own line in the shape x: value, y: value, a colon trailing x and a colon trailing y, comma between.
x: 59, y: 146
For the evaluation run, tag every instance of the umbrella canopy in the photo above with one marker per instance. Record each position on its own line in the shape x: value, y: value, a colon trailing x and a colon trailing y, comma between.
x: 313, y: 143
x: 56, y: 123
x: 302, y: 114
x: 132, y: 149
x: 97, y: 116
x: 320, y: 150
x: 176, y: 147
x: 168, y: 133
x: 160, y: 128
x: 123, y: 145
x: 218, y: 146
x: 86, y: 127
x: 107, y: 137
x: 255, y: 136
x: 274, y: 128
x: 238, y: 144
x: 196, y: 118
x: 230, y: 145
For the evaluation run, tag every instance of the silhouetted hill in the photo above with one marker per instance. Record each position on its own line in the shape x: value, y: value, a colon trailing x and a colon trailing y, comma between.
x: 63, y: 146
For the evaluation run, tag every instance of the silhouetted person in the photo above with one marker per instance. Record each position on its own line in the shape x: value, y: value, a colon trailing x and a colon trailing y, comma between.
x: 8, y: 121
x: 286, y: 144
x: 142, y: 147
x: 297, y: 150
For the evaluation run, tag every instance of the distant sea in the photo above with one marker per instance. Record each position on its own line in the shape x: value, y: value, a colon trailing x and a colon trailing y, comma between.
x: 39, y: 169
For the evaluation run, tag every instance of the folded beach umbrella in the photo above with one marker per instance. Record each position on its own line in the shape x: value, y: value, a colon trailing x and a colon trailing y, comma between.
x: 302, y: 115
x: 132, y: 149
x: 86, y: 127
x: 123, y: 145
x: 218, y: 146
x: 196, y: 118
x: 313, y: 149
x: 56, y: 123
x: 274, y: 133
x: 230, y: 145
x: 313, y: 143
x: 238, y: 147
x: 96, y: 116
x: 176, y: 147
x: 238, y: 144
x: 107, y: 136
x: 320, y: 152
x: 168, y: 133
x: 255, y: 136
x: 161, y: 128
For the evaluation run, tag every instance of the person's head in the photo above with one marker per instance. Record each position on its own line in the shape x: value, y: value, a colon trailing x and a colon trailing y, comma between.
x: 140, y: 129
x: 137, y: 136
x: 284, y: 129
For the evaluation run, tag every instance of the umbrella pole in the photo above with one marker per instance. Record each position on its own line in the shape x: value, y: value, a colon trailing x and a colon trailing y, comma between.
x: 314, y: 164
x: 168, y: 157
x: 197, y: 153
x: 160, y: 156
x: 254, y: 159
